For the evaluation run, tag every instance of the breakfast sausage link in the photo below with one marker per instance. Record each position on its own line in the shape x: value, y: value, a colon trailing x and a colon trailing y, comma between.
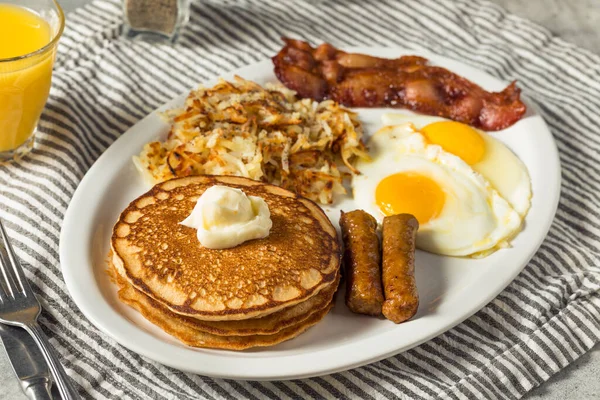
x: 401, y: 297
x: 362, y: 259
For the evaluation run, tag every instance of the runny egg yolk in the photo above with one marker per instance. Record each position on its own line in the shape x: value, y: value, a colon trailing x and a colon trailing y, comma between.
x: 456, y: 138
x: 410, y: 193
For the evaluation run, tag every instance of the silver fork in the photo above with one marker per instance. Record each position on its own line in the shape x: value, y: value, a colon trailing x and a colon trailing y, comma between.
x: 20, y: 307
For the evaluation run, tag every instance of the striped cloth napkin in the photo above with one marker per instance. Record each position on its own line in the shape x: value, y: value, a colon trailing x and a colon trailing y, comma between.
x: 103, y: 84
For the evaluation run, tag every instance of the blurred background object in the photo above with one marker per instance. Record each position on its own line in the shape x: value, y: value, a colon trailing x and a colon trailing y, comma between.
x: 155, y: 19
x: 26, y: 64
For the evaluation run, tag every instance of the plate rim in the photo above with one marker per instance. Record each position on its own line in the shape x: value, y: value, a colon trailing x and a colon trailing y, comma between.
x: 249, y: 368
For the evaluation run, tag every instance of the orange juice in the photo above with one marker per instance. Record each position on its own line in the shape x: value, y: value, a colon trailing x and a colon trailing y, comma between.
x: 24, y: 82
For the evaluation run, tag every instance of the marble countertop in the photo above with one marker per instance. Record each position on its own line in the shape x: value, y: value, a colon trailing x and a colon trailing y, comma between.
x: 577, y: 21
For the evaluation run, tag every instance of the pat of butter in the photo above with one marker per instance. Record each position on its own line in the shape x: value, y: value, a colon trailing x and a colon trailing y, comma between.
x: 225, y: 217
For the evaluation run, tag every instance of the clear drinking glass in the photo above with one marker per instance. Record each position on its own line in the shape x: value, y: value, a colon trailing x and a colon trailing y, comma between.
x: 25, y: 76
x: 155, y: 19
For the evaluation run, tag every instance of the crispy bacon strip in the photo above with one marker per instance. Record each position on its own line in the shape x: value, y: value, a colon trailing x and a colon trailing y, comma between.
x: 358, y: 80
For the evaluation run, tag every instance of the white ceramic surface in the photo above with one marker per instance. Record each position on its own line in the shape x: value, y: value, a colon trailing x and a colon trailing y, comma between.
x: 450, y: 289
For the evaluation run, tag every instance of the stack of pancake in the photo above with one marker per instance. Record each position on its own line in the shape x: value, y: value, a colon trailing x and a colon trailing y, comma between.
x: 259, y: 293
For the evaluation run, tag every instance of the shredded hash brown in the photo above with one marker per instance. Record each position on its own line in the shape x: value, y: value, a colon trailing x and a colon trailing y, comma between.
x: 240, y: 128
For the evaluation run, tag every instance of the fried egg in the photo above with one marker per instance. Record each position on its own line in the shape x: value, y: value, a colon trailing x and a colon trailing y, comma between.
x: 459, y: 212
x: 484, y: 153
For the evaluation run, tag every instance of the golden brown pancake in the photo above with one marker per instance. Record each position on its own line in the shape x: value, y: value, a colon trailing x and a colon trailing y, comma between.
x: 266, y: 325
x: 180, y: 327
x: 164, y: 260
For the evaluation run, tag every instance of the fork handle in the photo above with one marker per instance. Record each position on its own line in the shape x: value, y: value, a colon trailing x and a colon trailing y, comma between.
x: 61, y: 379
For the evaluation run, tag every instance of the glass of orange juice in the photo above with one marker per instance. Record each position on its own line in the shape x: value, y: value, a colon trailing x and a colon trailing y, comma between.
x: 29, y: 34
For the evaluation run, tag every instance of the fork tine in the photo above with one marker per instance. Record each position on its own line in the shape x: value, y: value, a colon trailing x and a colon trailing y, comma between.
x: 3, y: 292
x: 6, y: 279
x: 14, y: 263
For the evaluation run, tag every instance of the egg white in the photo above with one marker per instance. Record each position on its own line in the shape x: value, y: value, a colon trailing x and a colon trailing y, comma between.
x: 474, y: 218
x: 500, y: 166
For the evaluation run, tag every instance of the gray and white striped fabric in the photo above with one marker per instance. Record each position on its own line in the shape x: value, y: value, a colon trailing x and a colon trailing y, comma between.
x: 103, y: 84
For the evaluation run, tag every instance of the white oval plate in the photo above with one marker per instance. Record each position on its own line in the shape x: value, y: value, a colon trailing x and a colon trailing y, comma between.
x: 450, y: 289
